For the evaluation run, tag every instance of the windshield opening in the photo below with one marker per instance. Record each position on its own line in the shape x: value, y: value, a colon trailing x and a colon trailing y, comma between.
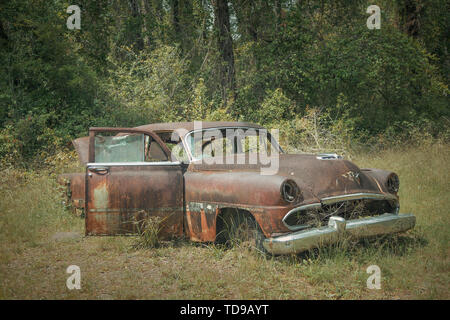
x: 210, y: 143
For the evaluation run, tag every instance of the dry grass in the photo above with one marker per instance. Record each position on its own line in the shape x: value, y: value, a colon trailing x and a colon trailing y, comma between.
x: 413, y: 265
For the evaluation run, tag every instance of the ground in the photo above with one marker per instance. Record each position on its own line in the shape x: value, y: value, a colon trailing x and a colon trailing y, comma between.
x: 35, y: 249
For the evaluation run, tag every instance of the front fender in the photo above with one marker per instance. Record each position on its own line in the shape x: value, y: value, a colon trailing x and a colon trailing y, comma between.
x: 380, y: 177
x: 207, y: 193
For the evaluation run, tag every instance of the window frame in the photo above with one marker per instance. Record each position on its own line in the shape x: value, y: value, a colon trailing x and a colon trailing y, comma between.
x: 188, y: 148
x: 156, y: 138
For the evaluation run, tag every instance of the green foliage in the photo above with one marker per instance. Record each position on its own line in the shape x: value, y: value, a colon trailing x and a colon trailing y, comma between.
x: 45, y: 87
x: 199, y: 107
x: 373, y: 80
x: 276, y: 106
x: 204, y: 109
x: 149, y: 87
x: 137, y: 62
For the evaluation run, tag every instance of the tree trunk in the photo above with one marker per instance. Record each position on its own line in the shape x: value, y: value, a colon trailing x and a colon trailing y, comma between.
x: 176, y: 19
x: 3, y: 34
x: 225, y: 46
x: 136, y: 14
x: 410, y: 11
x: 145, y: 10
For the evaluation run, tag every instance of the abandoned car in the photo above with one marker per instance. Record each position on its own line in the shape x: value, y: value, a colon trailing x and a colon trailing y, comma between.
x: 201, y: 178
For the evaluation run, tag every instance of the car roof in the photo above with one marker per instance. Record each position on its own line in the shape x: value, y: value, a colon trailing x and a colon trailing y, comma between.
x: 189, y: 126
x: 82, y: 144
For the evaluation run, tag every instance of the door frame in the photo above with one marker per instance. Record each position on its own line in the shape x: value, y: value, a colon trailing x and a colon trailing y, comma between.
x: 93, y: 130
x: 91, y: 160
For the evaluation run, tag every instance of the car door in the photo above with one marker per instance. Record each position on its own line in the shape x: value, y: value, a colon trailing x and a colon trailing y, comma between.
x: 130, y: 177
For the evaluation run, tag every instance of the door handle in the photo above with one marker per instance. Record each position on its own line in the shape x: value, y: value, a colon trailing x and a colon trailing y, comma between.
x: 99, y: 170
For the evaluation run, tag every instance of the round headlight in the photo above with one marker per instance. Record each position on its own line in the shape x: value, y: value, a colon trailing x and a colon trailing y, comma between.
x: 393, y: 183
x: 290, y: 191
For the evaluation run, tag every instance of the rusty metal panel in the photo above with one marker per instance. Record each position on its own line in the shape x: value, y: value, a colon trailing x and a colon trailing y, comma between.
x: 200, y: 221
x: 82, y: 148
x: 209, y: 191
x: 241, y: 186
x: 316, y: 178
x: 75, y: 190
x: 189, y: 126
x: 121, y: 196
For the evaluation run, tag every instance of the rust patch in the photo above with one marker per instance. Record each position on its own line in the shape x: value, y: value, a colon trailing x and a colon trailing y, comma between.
x: 201, y: 221
x: 118, y: 200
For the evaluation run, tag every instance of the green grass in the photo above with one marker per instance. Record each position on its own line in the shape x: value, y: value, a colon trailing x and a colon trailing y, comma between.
x: 413, y: 265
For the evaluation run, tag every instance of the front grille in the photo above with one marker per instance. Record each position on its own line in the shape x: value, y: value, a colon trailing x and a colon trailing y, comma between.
x: 349, y: 210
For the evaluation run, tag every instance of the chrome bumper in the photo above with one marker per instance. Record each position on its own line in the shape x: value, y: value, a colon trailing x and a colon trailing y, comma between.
x: 337, y: 227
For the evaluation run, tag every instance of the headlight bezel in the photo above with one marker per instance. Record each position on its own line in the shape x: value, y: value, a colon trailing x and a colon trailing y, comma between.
x: 393, y: 183
x: 290, y: 192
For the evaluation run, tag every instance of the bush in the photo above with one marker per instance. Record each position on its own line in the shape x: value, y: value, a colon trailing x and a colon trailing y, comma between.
x: 149, y: 87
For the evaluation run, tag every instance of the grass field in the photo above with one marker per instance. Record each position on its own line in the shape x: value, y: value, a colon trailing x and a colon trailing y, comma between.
x: 413, y: 265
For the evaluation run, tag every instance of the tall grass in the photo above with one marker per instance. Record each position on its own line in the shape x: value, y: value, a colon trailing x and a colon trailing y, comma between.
x: 413, y: 265
x: 31, y: 209
x: 418, y: 261
x: 149, y: 230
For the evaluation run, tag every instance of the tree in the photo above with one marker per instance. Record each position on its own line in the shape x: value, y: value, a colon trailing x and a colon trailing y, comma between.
x: 410, y: 13
x: 225, y: 47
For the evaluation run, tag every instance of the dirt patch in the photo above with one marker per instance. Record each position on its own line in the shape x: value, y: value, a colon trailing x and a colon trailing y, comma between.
x: 66, y: 236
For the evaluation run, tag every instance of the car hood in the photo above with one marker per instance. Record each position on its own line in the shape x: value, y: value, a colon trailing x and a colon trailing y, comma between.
x: 316, y: 178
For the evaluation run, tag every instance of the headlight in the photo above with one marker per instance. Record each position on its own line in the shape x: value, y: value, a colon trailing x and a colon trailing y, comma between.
x: 290, y: 192
x: 393, y: 183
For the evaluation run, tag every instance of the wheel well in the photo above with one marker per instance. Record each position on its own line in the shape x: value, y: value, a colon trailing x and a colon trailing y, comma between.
x: 225, y: 219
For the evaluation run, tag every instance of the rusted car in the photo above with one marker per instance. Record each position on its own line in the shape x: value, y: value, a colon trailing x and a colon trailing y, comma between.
x: 202, y: 178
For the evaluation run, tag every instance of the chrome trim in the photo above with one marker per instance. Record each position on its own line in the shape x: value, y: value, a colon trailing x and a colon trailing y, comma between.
x: 304, y: 207
x: 357, y: 196
x: 95, y: 167
x: 328, y: 156
x: 156, y: 209
x: 337, y: 227
x: 334, y: 199
x: 115, y: 164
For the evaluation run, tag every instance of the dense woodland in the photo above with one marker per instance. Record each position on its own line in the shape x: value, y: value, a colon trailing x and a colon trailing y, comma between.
x: 287, y: 64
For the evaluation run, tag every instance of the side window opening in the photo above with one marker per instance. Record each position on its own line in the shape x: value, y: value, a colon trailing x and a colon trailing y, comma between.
x: 179, y: 153
x: 122, y: 148
x: 174, y: 143
x: 154, y: 152
x: 133, y: 147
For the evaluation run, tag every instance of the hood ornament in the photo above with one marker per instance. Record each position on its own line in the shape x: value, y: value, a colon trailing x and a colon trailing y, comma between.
x: 328, y: 156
